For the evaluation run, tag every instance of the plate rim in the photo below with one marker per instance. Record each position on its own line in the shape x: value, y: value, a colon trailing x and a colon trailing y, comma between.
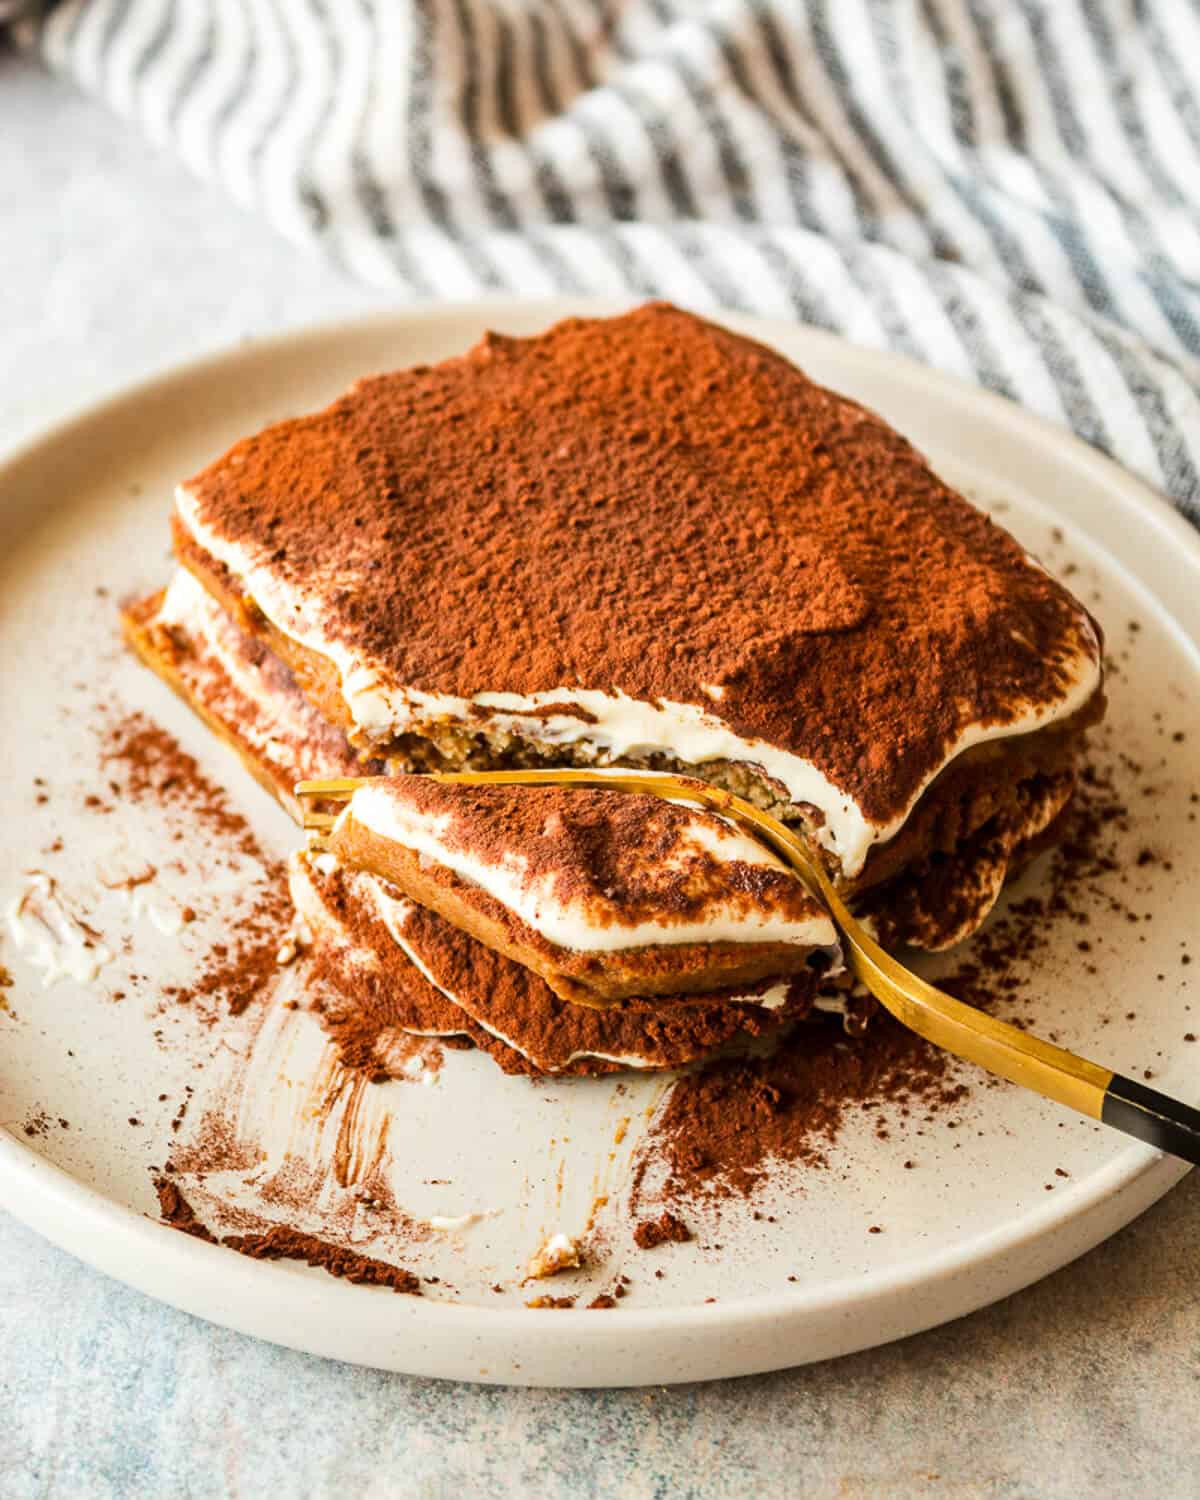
x: 39, y: 1193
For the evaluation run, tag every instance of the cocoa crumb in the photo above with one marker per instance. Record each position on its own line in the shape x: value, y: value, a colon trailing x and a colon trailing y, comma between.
x: 177, y: 1211
x: 282, y: 1243
x: 668, y: 1227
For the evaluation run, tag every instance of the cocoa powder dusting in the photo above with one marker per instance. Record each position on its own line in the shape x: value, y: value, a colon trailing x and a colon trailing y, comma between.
x: 149, y: 765
x: 464, y: 547
x: 146, y: 764
x: 666, y: 1229
x: 284, y: 1243
x: 236, y: 973
x: 722, y: 1126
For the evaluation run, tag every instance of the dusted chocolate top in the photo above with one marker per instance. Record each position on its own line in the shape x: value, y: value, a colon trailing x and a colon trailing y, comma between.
x: 652, y: 506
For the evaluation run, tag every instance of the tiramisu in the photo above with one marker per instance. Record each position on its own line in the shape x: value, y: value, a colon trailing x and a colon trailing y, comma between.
x: 643, y: 541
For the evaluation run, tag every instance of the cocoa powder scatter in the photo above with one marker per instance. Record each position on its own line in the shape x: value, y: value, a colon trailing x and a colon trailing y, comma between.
x: 244, y: 968
x: 150, y: 765
x: 178, y: 1212
x: 667, y: 1228
x: 722, y: 1126
x: 1007, y: 948
x: 283, y: 1243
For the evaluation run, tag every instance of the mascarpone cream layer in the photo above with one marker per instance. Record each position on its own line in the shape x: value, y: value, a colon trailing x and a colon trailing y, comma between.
x: 190, y: 608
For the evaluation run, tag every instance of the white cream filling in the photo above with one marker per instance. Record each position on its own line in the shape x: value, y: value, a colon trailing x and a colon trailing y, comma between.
x: 52, y: 937
x: 273, y: 726
x: 559, y: 1253
x: 621, y: 726
x: 454, y: 1223
x: 571, y: 923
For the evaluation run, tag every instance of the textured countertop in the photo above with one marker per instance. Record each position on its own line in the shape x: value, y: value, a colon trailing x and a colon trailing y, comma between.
x: 114, y: 264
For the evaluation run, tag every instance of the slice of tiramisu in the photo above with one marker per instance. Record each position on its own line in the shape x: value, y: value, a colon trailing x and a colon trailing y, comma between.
x: 606, y: 895
x: 649, y: 541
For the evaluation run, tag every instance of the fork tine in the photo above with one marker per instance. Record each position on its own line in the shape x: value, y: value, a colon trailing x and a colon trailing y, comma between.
x: 314, y: 797
x: 319, y: 822
x: 335, y: 788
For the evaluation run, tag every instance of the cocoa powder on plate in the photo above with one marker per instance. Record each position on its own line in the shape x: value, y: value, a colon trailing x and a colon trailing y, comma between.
x: 284, y: 1243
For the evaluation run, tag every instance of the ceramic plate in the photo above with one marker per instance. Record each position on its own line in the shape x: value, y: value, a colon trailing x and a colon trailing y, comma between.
x: 93, y: 1071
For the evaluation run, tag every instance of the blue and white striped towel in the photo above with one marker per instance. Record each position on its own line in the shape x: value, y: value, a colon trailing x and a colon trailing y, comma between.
x: 1006, y: 189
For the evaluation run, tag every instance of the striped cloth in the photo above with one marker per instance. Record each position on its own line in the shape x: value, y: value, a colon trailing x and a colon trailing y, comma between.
x: 1005, y: 189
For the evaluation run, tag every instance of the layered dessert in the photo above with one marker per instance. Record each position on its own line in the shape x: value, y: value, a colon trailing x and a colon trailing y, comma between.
x: 639, y: 541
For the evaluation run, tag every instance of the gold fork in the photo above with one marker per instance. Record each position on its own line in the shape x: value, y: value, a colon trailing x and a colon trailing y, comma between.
x: 1052, y: 1071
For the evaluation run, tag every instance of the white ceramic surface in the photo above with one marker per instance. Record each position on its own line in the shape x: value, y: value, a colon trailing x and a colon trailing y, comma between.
x: 87, y: 506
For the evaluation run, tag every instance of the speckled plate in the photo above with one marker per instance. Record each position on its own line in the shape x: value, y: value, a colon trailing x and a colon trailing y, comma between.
x: 90, y: 1084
